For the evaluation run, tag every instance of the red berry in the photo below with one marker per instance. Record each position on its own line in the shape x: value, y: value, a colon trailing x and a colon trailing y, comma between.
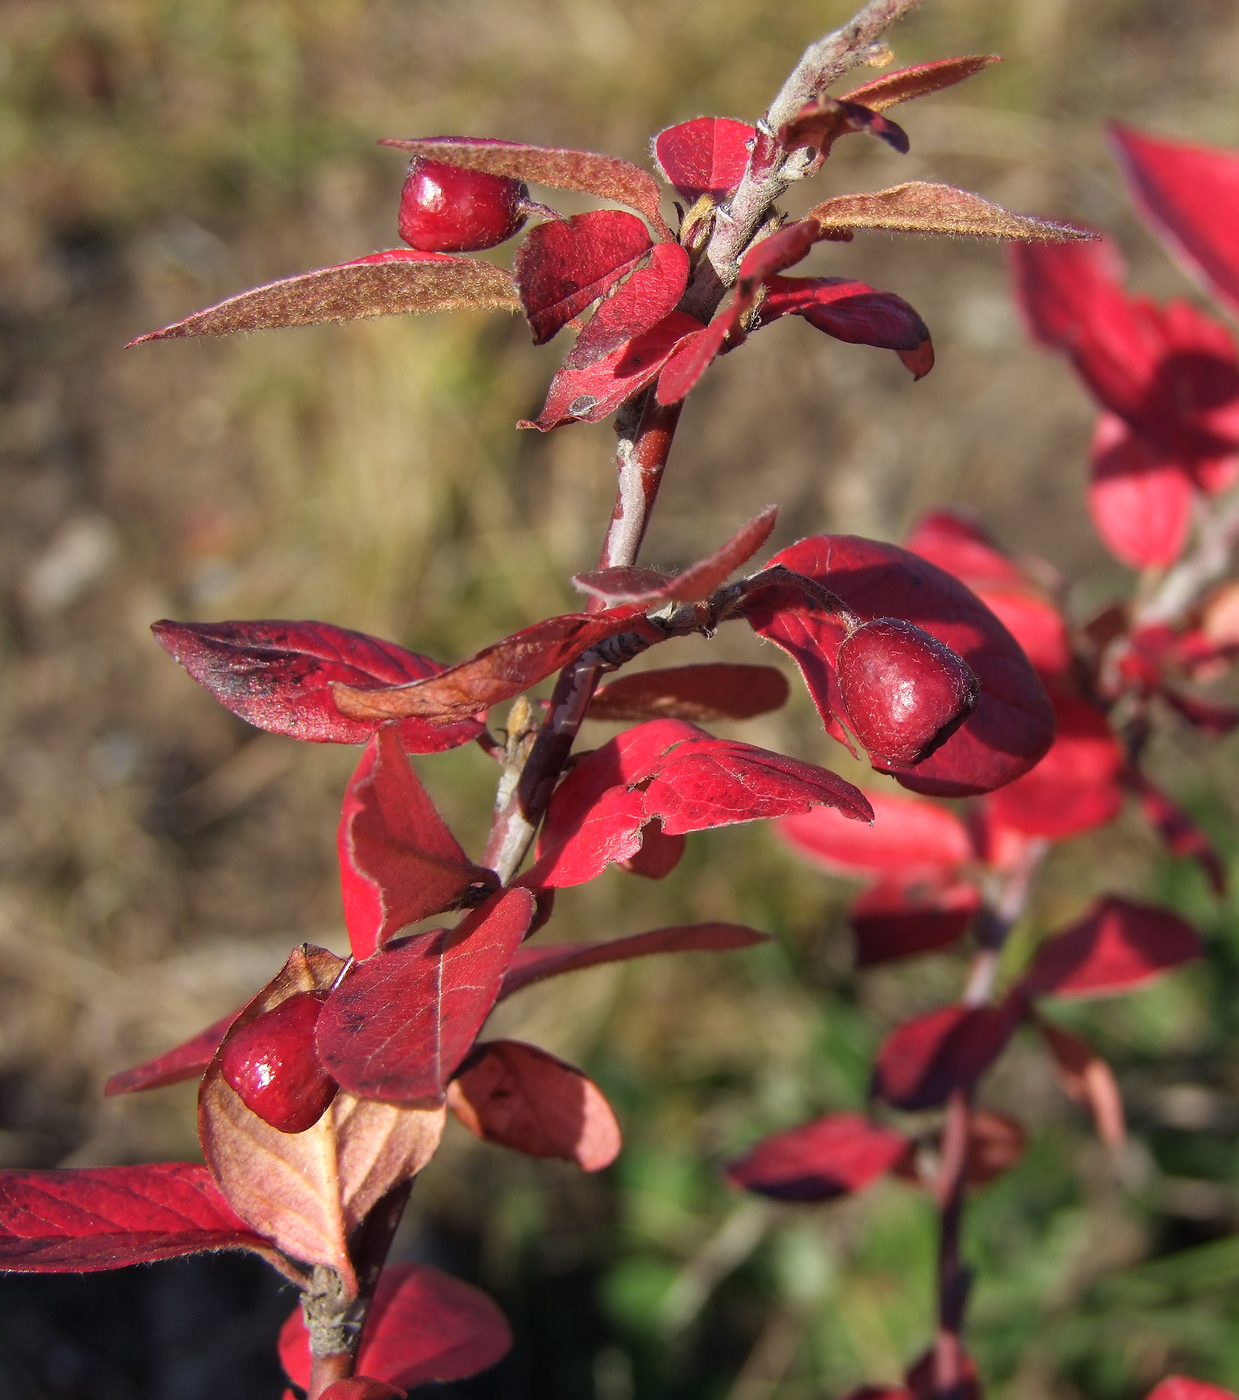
x: 904, y: 691
x: 444, y: 209
x: 274, y: 1067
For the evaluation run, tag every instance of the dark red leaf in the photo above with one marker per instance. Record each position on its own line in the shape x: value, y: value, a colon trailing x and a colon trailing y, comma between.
x: 695, y: 584
x: 822, y: 120
x: 398, y: 861
x: 589, y: 395
x: 521, y: 1097
x: 995, y: 1144
x: 921, y: 207
x: 677, y: 772
x: 608, y: 177
x: 423, y: 1325
x: 901, y: 919
x: 707, y: 155
x: 852, y: 312
x: 184, y: 1061
x: 1075, y: 788
x: 1140, y: 500
x: 1087, y: 1079
x: 1187, y: 1388
x: 84, y: 1219
x: 1117, y: 946
x: 565, y: 265
x: 1012, y: 725
x: 659, y: 854
x: 362, y: 1388
x: 1189, y: 195
x: 534, y: 964
x: 692, y: 356
x: 818, y: 1161
x: 400, y: 1023
x: 496, y: 673
x: 910, y: 839
x: 382, y: 284
x: 1208, y: 715
x: 278, y: 676
x: 713, y: 691
x: 907, y: 83
x: 923, y: 1062
x: 1177, y: 830
x: 634, y: 307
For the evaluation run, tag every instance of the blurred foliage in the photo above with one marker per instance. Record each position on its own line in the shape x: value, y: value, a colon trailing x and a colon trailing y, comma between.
x: 157, y: 859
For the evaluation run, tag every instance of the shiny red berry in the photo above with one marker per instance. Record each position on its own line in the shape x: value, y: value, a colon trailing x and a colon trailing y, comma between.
x: 274, y: 1067
x: 904, y: 691
x: 444, y: 209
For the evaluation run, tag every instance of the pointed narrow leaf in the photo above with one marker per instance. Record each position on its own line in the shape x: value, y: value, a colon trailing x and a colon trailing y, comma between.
x: 1141, y: 500
x: 399, y: 863
x: 185, y: 1061
x: 822, y: 120
x: 923, y: 1062
x: 1117, y: 946
x: 902, y: 919
x: 695, y: 584
x: 691, y: 357
x: 383, y: 284
x: 592, y: 394
x: 910, y: 839
x: 1012, y: 724
x: 607, y: 177
x: 921, y: 207
x: 707, y: 155
x: 399, y: 1024
x: 924, y: 78
x: 714, y: 691
x: 532, y: 965
x: 496, y: 673
x: 84, y: 1219
x: 423, y: 1326
x: 278, y: 676
x: 854, y: 313
x: 562, y: 267
x: 829, y: 1157
x: 634, y: 307
x: 520, y: 1097
x: 1087, y: 1079
x: 1181, y: 835
x: 1189, y: 195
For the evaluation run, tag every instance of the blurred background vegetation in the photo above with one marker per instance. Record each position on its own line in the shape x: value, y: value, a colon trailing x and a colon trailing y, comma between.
x: 158, y: 858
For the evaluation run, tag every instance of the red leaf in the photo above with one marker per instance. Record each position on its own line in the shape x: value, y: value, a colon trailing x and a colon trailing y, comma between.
x: 852, y: 312
x: 361, y: 1388
x: 907, y: 83
x: 400, y: 1023
x: 382, y: 284
x: 995, y: 1144
x: 608, y: 177
x: 1213, y: 718
x: 185, y: 1061
x: 398, y: 861
x: 714, y: 691
x: 1186, y: 1388
x: 677, y: 772
x: 1177, y: 830
x: 1117, y: 946
x: 278, y: 676
x: 707, y: 155
x: 532, y: 965
x: 923, y: 1062
x: 1075, y: 788
x: 1087, y: 1079
x: 497, y: 672
x: 695, y: 584
x: 84, y: 1219
x: 423, y: 1325
x: 898, y: 919
x: 921, y: 207
x: 589, y: 395
x: 1140, y: 500
x: 829, y: 1157
x: 659, y: 854
x: 909, y: 840
x: 564, y: 266
x: 694, y: 354
x: 1012, y: 725
x: 1189, y: 195
x: 521, y: 1097
x: 634, y: 307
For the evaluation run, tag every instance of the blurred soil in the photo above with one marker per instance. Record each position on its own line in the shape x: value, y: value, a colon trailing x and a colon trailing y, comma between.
x: 158, y: 857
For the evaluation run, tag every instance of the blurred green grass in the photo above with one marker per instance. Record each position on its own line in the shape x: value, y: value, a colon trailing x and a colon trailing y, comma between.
x: 157, y: 859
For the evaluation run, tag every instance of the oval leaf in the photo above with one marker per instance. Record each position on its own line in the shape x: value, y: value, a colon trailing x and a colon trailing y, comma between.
x: 898, y: 919
x: 818, y: 1161
x: 1140, y: 499
x: 908, y: 840
x: 923, y: 1062
x: 636, y: 306
x: 714, y: 691
x: 922, y: 207
x: 707, y: 155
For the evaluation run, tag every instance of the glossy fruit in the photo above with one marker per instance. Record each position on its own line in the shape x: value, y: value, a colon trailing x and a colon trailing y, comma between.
x: 274, y: 1067
x: 904, y: 691
x: 444, y: 209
